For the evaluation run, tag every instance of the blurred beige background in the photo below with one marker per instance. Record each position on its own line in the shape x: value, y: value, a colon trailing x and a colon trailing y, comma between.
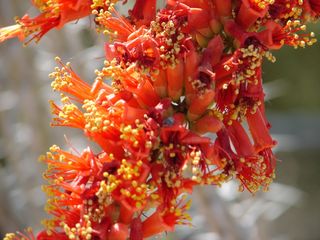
x: 290, y: 211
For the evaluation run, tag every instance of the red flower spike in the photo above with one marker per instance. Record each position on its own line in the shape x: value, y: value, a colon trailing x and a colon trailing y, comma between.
x: 190, y: 69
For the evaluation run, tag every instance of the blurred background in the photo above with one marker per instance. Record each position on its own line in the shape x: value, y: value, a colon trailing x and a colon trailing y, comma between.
x: 289, y: 211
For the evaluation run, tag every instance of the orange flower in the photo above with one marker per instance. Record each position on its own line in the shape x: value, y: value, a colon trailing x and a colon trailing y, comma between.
x: 28, y: 235
x: 143, y: 11
x: 251, y: 10
x: 165, y: 220
x: 54, y: 14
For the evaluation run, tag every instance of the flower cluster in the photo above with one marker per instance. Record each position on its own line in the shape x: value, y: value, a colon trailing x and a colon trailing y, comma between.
x: 185, y: 107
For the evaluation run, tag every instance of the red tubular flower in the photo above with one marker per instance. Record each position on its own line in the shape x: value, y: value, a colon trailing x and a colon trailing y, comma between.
x: 44, y: 235
x: 224, y: 70
x: 116, y: 26
x: 198, y: 19
x: 146, y: 94
x: 259, y: 130
x: 189, y: 4
x: 54, y: 15
x: 200, y: 104
x: 28, y: 235
x: 213, y: 53
x: 201, y: 23
x: 163, y: 221
x: 136, y: 229
x: 224, y: 8
x: 160, y: 83
x: 156, y: 224
x: 284, y: 10
x: 190, y: 72
x: 240, y: 140
x: 144, y: 11
x: 312, y: 7
x: 254, y: 170
x: 275, y: 36
x: 207, y: 124
x: 133, y: 184
x: 250, y: 11
x: 67, y: 81
x: 175, y: 79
